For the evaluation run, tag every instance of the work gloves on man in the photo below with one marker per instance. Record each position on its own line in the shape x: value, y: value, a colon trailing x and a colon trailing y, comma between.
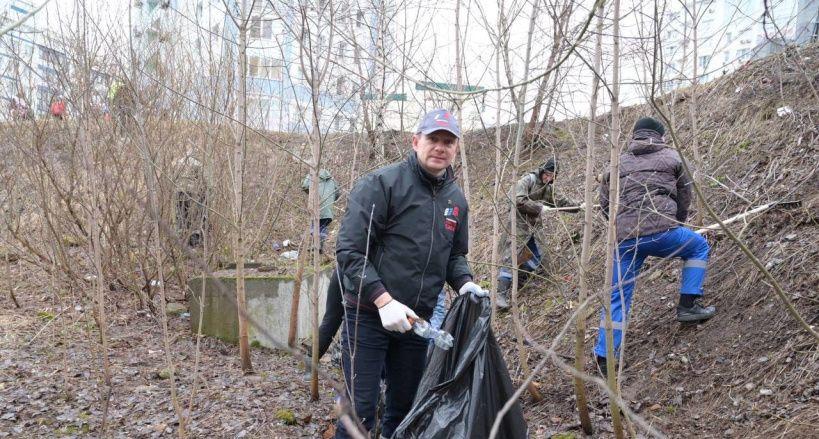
x: 474, y: 289
x: 394, y: 316
x: 546, y: 210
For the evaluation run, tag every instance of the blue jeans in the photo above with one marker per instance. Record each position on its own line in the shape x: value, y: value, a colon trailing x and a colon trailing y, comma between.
x: 530, y: 265
x: 679, y: 242
x: 400, y: 357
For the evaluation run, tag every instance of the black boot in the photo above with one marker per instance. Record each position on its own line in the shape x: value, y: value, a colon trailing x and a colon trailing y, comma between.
x: 690, y: 309
x: 602, y: 367
x: 502, y: 296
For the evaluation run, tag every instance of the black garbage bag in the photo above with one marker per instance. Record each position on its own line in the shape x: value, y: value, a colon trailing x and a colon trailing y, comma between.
x: 464, y: 388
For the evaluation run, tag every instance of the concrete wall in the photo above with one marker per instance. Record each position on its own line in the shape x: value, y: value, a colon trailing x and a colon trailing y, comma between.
x: 268, y: 303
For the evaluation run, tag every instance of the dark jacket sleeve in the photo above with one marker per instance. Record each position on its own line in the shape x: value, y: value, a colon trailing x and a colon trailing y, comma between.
x: 604, y: 195
x: 367, y: 199
x: 683, y: 193
x: 524, y: 204
x: 457, y: 270
x: 337, y: 193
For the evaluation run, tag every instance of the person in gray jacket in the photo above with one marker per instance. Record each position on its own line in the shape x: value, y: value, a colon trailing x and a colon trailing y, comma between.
x: 532, y: 198
x: 655, y: 194
x: 403, y: 236
x: 328, y: 194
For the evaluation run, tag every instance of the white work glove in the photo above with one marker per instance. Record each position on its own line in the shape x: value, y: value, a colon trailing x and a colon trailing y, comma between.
x: 544, y: 212
x: 475, y: 289
x: 394, y: 316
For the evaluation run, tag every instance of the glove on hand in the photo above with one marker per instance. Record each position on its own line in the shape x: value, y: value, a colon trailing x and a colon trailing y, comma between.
x: 475, y: 289
x: 394, y: 316
x: 545, y: 211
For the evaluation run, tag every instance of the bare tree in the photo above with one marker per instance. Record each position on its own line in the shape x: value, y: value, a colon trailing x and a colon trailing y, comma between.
x: 614, y: 195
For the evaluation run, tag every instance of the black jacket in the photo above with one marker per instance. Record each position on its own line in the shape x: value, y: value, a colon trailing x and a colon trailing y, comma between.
x: 418, y: 238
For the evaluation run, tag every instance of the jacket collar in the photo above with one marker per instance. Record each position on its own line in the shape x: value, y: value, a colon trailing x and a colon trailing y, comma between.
x: 646, y: 142
x: 431, y: 180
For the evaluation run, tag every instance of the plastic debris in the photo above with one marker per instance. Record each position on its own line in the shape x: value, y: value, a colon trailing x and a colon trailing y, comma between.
x: 784, y: 111
x: 292, y: 254
x: 441, y: 338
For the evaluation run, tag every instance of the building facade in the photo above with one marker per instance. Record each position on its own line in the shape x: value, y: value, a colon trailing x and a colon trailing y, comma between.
x: 729, y: 33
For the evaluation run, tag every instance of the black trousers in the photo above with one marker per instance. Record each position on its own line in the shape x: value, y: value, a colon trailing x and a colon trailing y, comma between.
x: 398, y: 359
x: 333, y: 314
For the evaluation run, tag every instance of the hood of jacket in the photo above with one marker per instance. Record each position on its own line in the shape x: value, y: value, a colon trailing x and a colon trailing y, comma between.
x: 646, y: 142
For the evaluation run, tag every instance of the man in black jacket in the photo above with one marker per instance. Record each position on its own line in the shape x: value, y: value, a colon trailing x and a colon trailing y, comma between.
x: 404, y: 234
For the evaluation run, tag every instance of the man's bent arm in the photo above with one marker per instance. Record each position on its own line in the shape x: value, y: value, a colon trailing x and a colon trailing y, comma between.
x: 352, y: 244
x: 523, y: 203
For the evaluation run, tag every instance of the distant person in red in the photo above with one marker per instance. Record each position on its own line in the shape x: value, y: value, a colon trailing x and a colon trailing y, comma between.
x: 58, y: 108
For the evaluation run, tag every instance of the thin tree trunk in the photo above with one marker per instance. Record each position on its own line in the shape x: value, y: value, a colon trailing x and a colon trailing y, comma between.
x: 498, y: 181
x: 520, y: 101
x: 693, y: 109
x: 152, y: 185
x: 11, y: 284
x: 238, y: 196
x: 614, y: 202
x: 585, y: 252
x: 315, y: 213
x: 94, y: 217
x: 459, y: 83
x: 296, y: 298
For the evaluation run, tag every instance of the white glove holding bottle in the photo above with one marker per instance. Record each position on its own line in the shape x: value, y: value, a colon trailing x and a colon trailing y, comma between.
x: 394, y: 316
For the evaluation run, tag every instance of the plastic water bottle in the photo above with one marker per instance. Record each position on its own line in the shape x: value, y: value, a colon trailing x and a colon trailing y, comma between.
x: 441, y: 338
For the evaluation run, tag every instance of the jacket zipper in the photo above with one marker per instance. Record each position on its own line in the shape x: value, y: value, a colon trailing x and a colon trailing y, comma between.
x: 431, y: 245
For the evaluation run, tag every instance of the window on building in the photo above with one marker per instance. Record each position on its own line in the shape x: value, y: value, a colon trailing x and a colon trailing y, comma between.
x: 341, y: 86
x: 742, y: 54
x: 704, y: 60
x: 261, y: 28
x: 729, y: 36
x: 253, y: 65
x: 255, y: 27
x: 359, y: 18
x: 342, y: 49
x: 726, y: 57
x: 267, y: 29
x: 274, y: 69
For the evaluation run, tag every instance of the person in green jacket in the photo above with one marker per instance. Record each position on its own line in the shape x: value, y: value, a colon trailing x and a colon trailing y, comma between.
x: 532, y: 197
x: 328, y: 192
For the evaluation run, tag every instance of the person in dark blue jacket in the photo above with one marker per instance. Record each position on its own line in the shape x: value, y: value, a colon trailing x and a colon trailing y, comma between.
x: 403, y: 236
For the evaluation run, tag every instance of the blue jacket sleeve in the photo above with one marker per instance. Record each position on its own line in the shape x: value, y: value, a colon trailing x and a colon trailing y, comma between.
x: 360, y: 231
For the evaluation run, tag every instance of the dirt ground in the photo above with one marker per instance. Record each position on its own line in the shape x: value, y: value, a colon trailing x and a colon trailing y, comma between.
x: 51, y: 376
